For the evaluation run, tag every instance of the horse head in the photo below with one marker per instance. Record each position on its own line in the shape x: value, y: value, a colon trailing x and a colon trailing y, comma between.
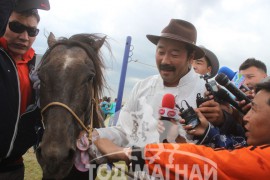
x: 71, y: 80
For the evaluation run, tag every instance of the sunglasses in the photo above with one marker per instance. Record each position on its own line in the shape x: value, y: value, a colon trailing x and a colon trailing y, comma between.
x: 17, y: 27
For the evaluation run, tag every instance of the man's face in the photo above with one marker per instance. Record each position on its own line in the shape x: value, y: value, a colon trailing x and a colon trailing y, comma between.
x: 172, y: 61
x: 257, y: 120
x: 200, y: 66
x: 19, y: 43
x: 252, y: 76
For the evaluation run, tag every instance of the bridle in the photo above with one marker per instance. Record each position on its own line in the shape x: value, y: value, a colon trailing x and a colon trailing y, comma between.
x: 88, y: 129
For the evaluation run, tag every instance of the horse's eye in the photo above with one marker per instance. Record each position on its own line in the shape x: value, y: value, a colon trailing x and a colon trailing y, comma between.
x: 91, y: 77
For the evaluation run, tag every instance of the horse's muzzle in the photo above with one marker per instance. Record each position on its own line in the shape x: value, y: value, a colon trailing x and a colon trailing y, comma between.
x: 53, y: 164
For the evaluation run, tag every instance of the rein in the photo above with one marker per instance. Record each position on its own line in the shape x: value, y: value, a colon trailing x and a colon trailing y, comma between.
x: 88, y: 129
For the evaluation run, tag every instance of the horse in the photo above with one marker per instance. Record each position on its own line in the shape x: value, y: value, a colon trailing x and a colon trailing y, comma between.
x: 71, y: 82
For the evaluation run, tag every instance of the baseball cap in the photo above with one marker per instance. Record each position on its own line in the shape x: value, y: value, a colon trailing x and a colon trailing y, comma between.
x: 23, y: 5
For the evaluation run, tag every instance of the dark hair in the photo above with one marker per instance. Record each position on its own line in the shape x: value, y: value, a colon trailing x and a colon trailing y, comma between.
x: 253, y: 62
x: 104, y: 98
x: 30, y: 12
x: 264, y: 85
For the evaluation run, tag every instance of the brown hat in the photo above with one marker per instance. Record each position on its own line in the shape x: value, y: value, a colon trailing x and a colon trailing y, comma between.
x: 213, y: 60
x: 23, y: 5
x: 180, y: 30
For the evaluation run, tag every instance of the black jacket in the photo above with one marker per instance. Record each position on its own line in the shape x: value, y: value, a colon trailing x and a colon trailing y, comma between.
x: 17, y: 133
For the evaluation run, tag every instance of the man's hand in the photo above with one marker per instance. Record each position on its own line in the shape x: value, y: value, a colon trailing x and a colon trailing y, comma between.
x: 111, y: 151
x: 245, y: 107
x: 212, y: 112
x: 198, y: 130
x: 249, y: 93
x: 172, y: 132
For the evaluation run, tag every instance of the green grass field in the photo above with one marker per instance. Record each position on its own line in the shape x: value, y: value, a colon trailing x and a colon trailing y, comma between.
x: 33, y: 170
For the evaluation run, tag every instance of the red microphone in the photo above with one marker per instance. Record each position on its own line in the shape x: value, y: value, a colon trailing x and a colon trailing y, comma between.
x: 168, y: 110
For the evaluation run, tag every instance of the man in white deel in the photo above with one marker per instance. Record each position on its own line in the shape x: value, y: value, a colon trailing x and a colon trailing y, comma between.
x: 138, y: 119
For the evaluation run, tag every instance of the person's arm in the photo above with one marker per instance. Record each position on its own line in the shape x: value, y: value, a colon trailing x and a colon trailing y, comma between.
x: 114, y: 134
x: 187, y: 160
x: 212, y: 112
x: 117, y: 134
x: 232, y: 124
x: 111, y: 151
x: 184, y: 161
x: 209, y: 135
x: 215, y: 139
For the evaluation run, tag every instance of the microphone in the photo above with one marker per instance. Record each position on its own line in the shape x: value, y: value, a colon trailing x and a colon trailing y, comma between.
x: 223, y: 80
x: 227, y: 71
x: 225, y: 96
x: 236, y: 78
x: 167, y: 112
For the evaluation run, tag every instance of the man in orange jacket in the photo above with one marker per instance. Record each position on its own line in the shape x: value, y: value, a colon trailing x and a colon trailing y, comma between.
x: 185, y: 161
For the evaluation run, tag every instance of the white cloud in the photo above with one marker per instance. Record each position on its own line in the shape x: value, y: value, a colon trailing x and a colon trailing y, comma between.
x: 233, y: 30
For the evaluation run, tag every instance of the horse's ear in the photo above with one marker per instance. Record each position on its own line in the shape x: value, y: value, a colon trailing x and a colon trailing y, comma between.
x: 51, y: 40
x: 99, y: 43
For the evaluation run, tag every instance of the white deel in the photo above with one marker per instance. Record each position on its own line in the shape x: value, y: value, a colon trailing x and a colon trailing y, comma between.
x: 137, y: 123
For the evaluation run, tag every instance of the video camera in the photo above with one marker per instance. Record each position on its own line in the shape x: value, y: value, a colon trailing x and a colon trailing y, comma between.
x: 211, y: 86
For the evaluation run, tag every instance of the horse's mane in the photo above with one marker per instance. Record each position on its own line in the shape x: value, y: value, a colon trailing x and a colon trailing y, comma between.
x: 91, y: 43
x: 88, y: 43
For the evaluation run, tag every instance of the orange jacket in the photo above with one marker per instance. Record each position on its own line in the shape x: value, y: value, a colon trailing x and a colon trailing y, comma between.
x: 189, y: 161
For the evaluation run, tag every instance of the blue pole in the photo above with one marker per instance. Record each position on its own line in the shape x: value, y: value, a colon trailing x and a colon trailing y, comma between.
x: 122, y: 78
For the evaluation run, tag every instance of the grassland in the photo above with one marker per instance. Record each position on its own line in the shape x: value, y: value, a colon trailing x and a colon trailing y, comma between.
x: 33, y: 170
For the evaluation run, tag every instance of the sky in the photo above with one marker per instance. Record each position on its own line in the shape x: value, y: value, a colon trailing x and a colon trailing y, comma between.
x: 233, y: 29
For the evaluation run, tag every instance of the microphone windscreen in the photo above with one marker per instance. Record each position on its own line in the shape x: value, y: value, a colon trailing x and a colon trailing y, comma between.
x: 168, y: 101
x: 222, y: 79
x: 227, y: 71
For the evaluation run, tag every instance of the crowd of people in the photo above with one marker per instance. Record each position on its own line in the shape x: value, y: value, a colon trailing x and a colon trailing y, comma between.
x: 136, y: 138
x: 108, y: 110
x: 224, y: 134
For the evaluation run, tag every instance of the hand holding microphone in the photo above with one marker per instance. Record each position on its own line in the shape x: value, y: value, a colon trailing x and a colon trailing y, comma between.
x: 212, y: 111
x: 225, y: 96
x: 168, y: 110
x: 223, y: 80
x: 244, y: 106
x: 168, y: 114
